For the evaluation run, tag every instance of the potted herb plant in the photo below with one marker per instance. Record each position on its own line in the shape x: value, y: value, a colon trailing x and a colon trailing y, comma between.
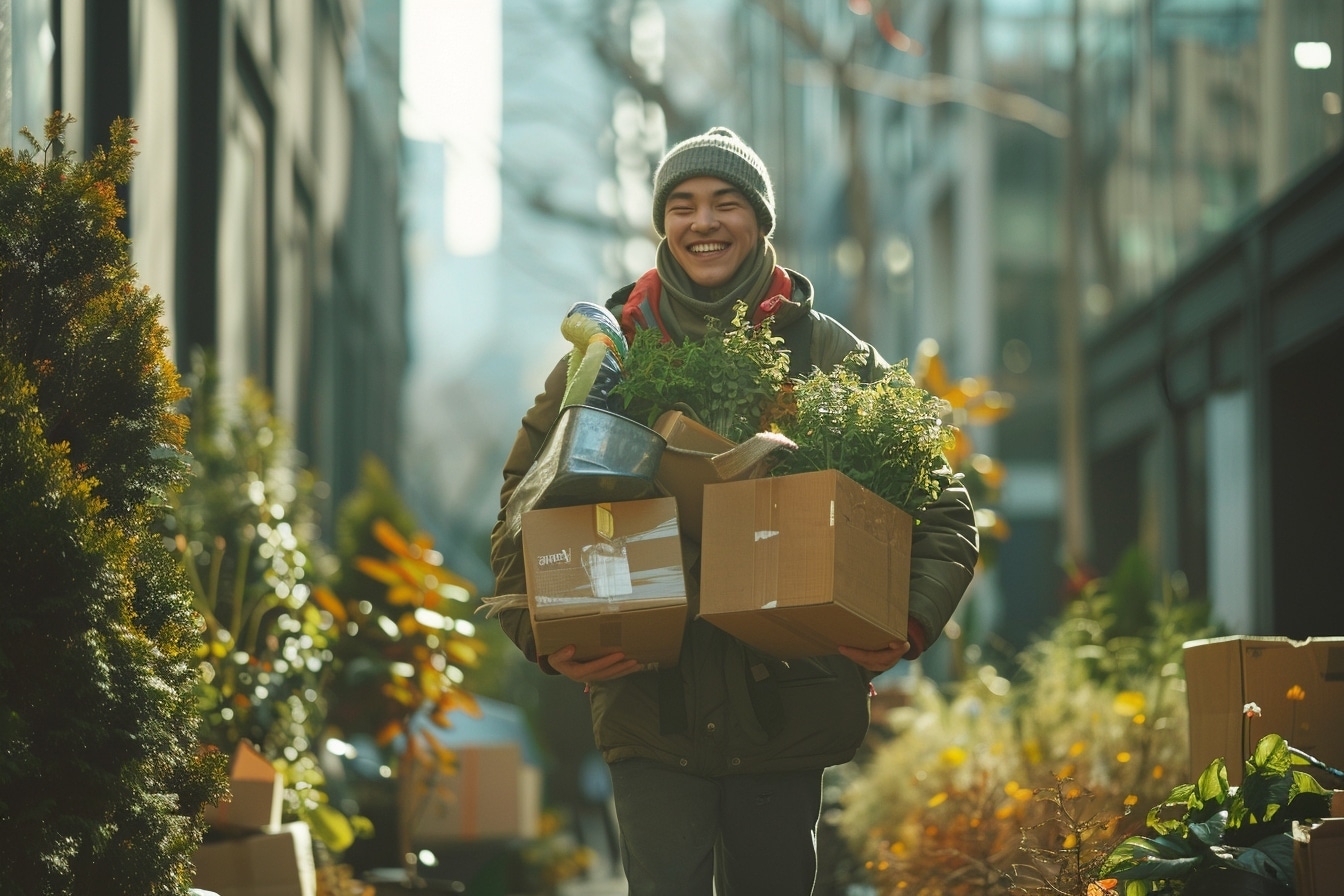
x: 887, y: 435
x: 1212, y: 838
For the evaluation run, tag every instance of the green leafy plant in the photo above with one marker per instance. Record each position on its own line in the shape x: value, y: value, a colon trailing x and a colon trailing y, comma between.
x: 246, y: 534
x: 726, y: 381
x: 887, y: 435
x: 1206, y: 827
x: 102, y: 774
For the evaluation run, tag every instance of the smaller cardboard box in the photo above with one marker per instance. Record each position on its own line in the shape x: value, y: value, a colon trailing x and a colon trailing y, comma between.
x: 278, y: 862
x: 687, y: 466
x: 256, y: 792
x: 1298, y: 686
x: 1318, y: 857
x: 607, y: 577
x: 491, y: 794
x: 799, y: 565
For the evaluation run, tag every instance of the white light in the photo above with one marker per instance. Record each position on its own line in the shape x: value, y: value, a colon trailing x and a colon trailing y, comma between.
x: 429, y: 619
x: 338, y: 747
x: 427, y: 858
x: 1312, y: 54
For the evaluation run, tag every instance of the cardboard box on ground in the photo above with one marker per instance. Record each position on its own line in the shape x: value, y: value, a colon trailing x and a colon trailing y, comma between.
x: 256, y: 793
x: 607, y: 577
x: 491, y: 794
x: 257, y: 856
x: 277, y: 862
x: 1224, y: 674
x: 799, y: 565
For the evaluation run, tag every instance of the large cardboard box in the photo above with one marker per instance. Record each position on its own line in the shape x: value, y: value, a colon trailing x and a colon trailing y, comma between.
x: 273, y: 863
x: 1318, y: 857
x: 687, y: 466
x: 1224, y: 674
x: 256, y: 792
x: 607, y: 577
x: 799, y: 565
x: 492, y: 794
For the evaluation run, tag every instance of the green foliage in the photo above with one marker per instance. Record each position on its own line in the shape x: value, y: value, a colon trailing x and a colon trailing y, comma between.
x: 1208, y: 825
x: 887, y: 435
x: 102, y: 778
x: 726, y: 381
x: 247, y: 536
x: 996, y: 784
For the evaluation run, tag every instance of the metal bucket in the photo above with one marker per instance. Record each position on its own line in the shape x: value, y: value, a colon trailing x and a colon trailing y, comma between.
x: 590, y: 456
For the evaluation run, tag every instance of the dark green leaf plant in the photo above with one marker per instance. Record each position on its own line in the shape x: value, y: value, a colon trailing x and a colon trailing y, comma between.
x: 726, y: 381
x: 1208, y: 827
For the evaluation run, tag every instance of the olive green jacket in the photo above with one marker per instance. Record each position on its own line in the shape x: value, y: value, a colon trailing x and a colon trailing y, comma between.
x: 727, y: 708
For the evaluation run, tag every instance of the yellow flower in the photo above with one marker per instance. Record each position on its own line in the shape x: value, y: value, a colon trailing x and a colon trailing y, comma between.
x: 1077, y: 748
x: 1129, y: 703
x: 1132, y: 800
x: 937, y: 799
x: 1122, y: 756
x: 952, y: 756
x: 1070, y: 841
x: 1296, y: 693
x: 1011, y: 787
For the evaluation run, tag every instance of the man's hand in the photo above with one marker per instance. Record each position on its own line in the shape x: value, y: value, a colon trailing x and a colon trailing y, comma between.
x: 604, y: 668
x: 877, y: 660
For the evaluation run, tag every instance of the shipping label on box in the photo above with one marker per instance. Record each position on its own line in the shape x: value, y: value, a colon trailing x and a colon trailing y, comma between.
x: 1297, y: 687
x: 607, y: 577
x: 274, y: 863
x: 491, y: 794
x: 799, y: 565
x: 256, y: 793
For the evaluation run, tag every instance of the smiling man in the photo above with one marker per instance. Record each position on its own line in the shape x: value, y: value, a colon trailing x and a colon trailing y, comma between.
x: 716, y: 764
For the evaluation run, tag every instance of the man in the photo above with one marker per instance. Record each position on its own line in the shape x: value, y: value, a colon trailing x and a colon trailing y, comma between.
x: 716, y: 765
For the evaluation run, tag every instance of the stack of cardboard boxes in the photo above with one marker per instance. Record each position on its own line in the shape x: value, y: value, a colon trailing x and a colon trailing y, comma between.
x: 248, y: 852
x: 792, y: 565
x: 1297, y: 688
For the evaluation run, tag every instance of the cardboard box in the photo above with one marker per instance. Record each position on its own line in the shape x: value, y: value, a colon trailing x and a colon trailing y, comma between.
x: 607, y: 577
x: 272, y: 863
x: 492, y: 794
x: 1224, y: 674
x: 687, y: 466
x: 1318, y: 857
x: 256, y: 792
x: 798, y: 565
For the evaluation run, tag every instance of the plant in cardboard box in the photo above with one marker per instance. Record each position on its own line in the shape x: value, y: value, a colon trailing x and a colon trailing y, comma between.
x: 1001, y: 783
x: 1212, y: 838
x: 102, y: 774
x: 727, y: 381
x: 887, y: 435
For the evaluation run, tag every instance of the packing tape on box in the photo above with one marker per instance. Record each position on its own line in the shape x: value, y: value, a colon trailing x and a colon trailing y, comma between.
x: 765, y: 558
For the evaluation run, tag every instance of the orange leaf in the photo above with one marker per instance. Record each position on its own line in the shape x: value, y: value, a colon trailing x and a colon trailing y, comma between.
x: 327, y: 600
x: 379, y: 571
x: 456, y: 698
x: 388, y: 536
x: 388, y: 733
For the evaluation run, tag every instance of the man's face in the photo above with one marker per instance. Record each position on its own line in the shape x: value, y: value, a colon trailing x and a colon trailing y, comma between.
x: 711, y: 229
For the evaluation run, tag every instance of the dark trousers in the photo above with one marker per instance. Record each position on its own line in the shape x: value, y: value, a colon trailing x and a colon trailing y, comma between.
x: 749, y: 834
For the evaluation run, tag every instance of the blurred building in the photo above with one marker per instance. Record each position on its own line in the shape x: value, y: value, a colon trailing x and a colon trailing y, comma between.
x: 1214, y: 297
x: 264, y: 205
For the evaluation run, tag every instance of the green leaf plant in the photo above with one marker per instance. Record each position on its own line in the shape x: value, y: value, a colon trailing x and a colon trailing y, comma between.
x: 1207, y: 827
x: 727, y: 380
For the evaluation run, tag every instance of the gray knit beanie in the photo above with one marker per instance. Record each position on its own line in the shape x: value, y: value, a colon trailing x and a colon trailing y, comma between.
x: 716, y: 153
